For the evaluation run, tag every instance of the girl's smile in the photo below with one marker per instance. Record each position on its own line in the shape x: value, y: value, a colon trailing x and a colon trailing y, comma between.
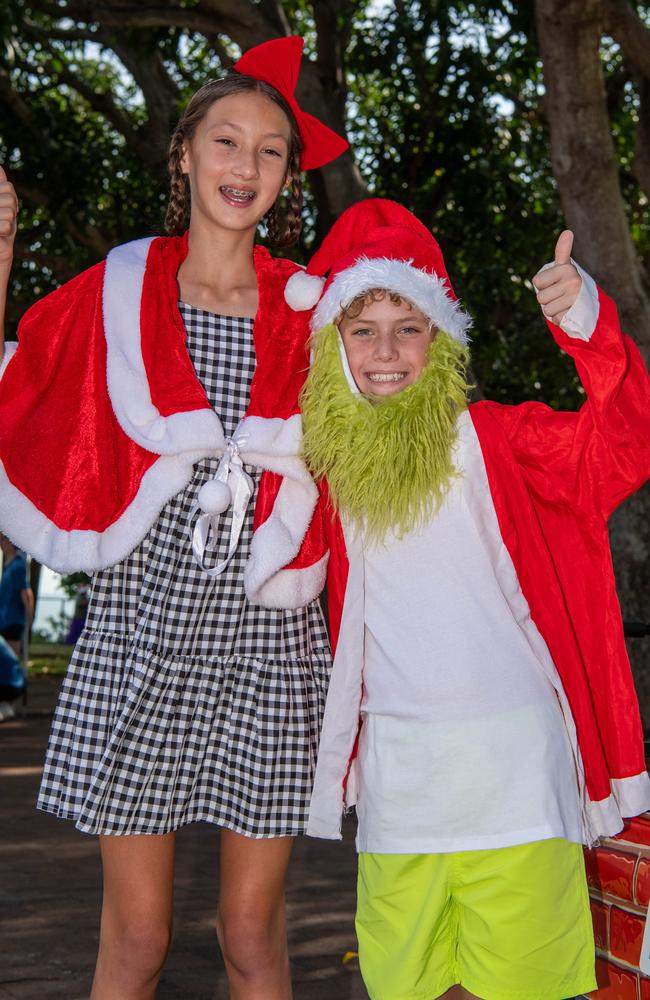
x: 238, y: 197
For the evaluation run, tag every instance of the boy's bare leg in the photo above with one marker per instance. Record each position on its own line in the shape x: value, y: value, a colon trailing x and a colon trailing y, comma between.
x: 458, y: 993
x: 251, y: 924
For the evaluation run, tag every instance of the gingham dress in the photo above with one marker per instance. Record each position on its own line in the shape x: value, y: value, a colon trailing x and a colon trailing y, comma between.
x: 183, y: 701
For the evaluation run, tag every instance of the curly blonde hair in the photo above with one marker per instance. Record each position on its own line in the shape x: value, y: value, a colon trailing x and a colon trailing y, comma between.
x: 356, y: 307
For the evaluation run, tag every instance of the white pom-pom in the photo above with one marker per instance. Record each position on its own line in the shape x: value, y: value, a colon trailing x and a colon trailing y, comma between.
x: 214, y: 497
x: 302, y: 290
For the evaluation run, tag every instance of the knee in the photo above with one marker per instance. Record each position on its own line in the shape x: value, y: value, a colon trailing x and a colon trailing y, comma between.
x: 142, y: 943
x: 251, y: 941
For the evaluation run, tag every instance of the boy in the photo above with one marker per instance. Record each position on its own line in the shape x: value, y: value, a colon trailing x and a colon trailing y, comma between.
x: 481, y: 713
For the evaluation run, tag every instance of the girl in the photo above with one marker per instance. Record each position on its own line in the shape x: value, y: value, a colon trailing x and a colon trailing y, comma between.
x: 148, y: 400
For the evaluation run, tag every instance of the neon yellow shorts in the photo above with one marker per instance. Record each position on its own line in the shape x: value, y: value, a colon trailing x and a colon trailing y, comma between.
x: 507, y: 924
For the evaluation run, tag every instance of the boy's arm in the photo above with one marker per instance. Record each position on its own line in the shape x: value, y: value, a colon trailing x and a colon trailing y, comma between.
x: 8, y: 217
x: 595, y: 458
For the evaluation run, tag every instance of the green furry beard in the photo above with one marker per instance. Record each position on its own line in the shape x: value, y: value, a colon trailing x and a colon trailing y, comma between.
x: 387, y: 460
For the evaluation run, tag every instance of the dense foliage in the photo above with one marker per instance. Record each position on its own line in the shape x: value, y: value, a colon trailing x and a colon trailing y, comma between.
x: 443, y: 106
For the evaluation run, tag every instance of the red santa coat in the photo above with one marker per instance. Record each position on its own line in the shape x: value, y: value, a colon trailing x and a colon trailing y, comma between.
x: 553, y: 479
x: 102, y: 418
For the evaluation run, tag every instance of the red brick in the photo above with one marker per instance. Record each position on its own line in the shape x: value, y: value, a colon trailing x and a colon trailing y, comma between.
x: 636, y: 831
x: 600, y: 917
x: 642, y: 883
x: 611, y: 871
x: 614, y: 983
x: 590, y: 866
x: 625, y: 935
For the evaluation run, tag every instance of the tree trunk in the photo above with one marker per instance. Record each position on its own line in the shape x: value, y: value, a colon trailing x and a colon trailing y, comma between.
x: 584, y: 160
x: 586, y: 171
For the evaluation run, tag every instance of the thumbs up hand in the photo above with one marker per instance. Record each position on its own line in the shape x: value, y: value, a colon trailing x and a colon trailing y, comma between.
x: 8, y: 217
x: 557, y: 286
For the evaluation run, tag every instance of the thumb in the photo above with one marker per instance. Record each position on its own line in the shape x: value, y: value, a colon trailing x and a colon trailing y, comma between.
x: 563, y: 247
x: 3, y: 175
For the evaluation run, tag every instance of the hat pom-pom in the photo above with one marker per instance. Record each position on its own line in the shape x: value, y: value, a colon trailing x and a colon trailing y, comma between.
x: 302, y: 290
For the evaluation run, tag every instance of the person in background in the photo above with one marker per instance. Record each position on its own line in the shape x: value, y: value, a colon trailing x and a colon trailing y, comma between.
x: 16, y: 596
x: 79, y: 614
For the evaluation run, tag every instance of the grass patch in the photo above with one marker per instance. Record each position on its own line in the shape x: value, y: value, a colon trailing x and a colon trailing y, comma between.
x: 48, y: 658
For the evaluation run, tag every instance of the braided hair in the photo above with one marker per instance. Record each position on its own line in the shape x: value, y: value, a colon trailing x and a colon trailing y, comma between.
x: 283, y: 224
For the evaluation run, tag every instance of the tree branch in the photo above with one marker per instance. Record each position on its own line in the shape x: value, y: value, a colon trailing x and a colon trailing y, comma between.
x: 147, y: 142
x: 89, y: 34
x: 14, y: 101
x: 88, y: 235
x: 244, y: 21
x: 158, y: 88
x: 630, y: 31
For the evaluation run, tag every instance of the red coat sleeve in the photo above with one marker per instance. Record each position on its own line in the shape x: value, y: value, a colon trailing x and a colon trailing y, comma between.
x: 592, y: 459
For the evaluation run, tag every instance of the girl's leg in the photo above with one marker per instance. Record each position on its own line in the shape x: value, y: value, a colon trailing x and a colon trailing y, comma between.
x: 136, y: 916
x: 251, y: 924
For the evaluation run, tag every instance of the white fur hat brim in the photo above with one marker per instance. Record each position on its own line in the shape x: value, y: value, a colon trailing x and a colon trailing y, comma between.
x: 426, y: 291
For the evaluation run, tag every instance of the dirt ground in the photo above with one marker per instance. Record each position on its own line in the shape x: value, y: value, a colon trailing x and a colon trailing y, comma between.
x: 50, y: 889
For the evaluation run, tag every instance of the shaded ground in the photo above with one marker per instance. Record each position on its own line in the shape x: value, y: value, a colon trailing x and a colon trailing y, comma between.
x: 50, y: 886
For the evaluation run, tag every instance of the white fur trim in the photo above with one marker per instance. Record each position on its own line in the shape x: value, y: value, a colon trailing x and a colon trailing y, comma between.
x: 276, y: 443
x: 11, y: 347
x: 630, y: 797
x: 281, y: 436
x: 424, y: 290
x: 273, y: 443
x: 276, y: 543
x: 342, y: 708
x: 69, y: 551
x: 632, y: 794
x: 128, y: 385
x: 292, y: 588
x: 302, y: 290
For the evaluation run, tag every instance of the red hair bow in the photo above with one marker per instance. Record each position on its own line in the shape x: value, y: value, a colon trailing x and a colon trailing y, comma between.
x: 278, y: 62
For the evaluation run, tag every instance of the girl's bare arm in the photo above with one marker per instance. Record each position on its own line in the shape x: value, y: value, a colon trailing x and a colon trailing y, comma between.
x: 8, y: 216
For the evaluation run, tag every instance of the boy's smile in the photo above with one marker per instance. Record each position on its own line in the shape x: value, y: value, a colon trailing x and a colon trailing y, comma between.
x: 387, y: 345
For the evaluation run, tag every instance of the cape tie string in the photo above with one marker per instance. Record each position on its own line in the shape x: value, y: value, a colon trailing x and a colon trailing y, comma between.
x: 230, y: 485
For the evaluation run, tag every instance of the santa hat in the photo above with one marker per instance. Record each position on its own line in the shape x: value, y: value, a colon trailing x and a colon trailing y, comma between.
x: 278, y: 63
x: 378, y: 244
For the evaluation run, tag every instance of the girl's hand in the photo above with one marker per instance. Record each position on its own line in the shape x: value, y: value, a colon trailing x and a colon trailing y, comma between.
x: 8, y: 217
x: 557, y: 286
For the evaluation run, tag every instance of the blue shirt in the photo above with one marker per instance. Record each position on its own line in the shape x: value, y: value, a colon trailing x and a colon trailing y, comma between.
x: 14, y: 580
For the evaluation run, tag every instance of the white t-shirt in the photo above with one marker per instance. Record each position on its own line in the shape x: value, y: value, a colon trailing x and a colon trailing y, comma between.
x: 465, y: 743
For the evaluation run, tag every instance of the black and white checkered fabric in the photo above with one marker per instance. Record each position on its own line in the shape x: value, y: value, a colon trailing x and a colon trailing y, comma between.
x: 184, y: 702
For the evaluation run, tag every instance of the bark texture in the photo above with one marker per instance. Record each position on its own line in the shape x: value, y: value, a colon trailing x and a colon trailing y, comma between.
x: 584, y: 159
